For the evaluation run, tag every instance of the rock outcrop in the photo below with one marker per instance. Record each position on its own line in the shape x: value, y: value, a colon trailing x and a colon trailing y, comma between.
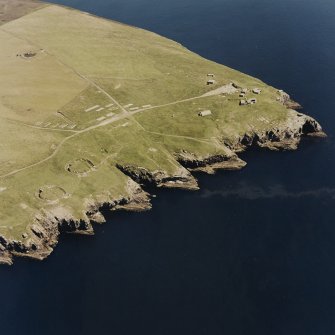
x: 122, y: 126
x: 48, y: 225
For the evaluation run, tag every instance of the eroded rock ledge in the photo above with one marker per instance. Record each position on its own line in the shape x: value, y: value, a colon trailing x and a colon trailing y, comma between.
x: 48, y: 225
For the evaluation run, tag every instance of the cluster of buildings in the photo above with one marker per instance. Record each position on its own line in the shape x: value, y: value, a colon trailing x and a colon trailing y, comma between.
x: 244, y: 101
x: 251, y: 101
x: 210, y: 80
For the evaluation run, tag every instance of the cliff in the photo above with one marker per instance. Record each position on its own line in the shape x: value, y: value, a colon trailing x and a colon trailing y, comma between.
x: 48, y: 225
x: 120, y: 108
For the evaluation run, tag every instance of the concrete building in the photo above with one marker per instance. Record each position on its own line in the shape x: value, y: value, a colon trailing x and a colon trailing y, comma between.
x: 256, y: 91
x: 211, y: 75
x: 252, y: 101
x: 243, y: 102
x: 210, y: 82
x: 205, y: 113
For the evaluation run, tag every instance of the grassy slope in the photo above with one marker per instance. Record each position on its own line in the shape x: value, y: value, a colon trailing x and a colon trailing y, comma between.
x: 82, y: 61
x: 14, y: 9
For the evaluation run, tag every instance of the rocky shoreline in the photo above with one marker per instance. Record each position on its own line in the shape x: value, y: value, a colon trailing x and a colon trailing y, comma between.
x: 49, y: 225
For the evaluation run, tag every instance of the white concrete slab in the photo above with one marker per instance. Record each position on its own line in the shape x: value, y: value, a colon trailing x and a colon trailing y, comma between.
x: 92, y: 108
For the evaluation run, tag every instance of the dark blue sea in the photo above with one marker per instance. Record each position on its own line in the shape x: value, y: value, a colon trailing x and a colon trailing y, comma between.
x: 253, y: 252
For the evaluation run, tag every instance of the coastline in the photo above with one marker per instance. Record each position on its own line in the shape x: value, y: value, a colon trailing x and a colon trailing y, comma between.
x: 47, y: 226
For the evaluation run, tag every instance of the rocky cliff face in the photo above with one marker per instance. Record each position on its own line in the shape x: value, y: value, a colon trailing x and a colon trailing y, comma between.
x: 282, y: 137
x: 119, y: 125
x: 49, y: 224
x: 182, y: 179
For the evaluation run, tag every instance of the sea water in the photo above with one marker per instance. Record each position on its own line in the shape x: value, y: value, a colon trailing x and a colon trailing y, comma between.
x: 253, y: 252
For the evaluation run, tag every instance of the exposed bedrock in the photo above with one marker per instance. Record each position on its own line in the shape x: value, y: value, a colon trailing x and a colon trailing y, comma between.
x: 210, y: 164
x: 181, y: 179
x: 48, y: 224
x: 283, y: 137
x: 286, y: 100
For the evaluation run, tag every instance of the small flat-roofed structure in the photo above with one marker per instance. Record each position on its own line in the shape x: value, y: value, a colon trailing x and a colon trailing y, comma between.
x: 210, y: 82
x: 243, y: 102
x: 252, y: 101
x: 205, y: 113
x: 242, y: 95
x: 244, y: 90
x: 256, y: 91
x: 211, y: 75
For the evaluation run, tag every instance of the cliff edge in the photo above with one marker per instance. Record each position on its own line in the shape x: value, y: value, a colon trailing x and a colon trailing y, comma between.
x: 119, y: 108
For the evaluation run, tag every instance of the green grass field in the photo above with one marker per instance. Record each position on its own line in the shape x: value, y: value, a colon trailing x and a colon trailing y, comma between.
x: 96, y: 94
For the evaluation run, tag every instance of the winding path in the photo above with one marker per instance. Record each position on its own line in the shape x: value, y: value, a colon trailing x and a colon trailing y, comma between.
x: 123, y: 115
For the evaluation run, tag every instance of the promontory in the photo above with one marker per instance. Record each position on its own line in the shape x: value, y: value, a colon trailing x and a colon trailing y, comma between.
x: 92, y: 110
